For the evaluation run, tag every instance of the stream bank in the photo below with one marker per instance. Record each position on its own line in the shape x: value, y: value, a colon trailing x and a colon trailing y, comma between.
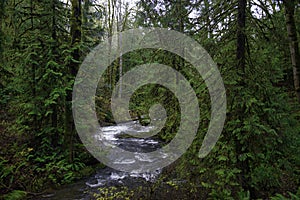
x: 108, y: 183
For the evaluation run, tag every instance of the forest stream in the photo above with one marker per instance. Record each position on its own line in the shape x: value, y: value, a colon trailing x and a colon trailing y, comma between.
x: 107, y: 177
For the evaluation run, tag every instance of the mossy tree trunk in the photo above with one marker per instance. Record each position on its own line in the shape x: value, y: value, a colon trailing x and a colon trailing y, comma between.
x: 240, y: 147
x: 293, y: 43
x: 73, y: 68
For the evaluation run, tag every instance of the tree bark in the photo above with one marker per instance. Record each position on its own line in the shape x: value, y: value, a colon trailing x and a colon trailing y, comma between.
x: 73, y: 68
x: 54, y: 49
x: 110, y: 22
x: 241, y: 37
x: 1, y: 33
x: 207, y: 18
x: 293, y: 43
x: 119, y: 30
x: 240, y: 147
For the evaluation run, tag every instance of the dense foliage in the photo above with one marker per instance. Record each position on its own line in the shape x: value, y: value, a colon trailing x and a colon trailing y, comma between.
x: 42, y: 44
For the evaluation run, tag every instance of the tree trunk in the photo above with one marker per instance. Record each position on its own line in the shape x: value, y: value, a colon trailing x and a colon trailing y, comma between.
x: 293, y: 43
x: 207, y: 18
x: 54, y: 49
x: 33, y: 74
x: 1, y: 33
x: 73, y: 68
x: 241, y: 37
x: 119, y: 29
x: 241, y: 149
x: 110, y: 22
x: 85, y: 23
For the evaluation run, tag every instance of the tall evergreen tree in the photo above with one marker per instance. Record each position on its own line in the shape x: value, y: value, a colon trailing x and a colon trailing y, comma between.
x: 293, y: 42
x: 76, y: 28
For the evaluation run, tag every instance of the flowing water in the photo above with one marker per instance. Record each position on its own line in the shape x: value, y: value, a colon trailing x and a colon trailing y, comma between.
x: 82, y: 190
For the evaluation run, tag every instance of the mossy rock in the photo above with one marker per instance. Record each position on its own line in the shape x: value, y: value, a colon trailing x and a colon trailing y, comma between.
x: 145, y: 121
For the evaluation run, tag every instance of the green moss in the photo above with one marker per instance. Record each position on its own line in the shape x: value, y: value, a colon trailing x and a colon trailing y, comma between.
x: 145, y: 121
x: 15, y: 195
x: 114, y: 193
